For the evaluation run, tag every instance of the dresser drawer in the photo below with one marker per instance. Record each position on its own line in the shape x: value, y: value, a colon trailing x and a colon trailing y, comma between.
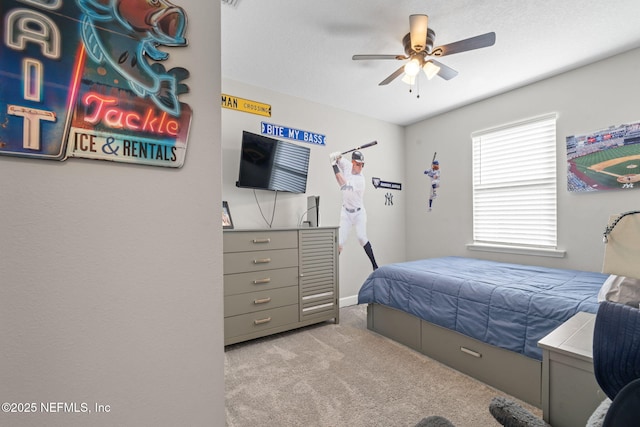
x: 257, y: 301
x: 254, y: 322
x: 239, y: 241
x: 241, y: 283
x: 240, y: 262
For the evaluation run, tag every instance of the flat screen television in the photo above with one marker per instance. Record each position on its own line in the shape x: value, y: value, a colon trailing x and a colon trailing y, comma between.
x: 271, y: 164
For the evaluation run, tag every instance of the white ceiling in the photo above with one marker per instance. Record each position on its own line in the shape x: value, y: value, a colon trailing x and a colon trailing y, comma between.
x: 303, y: 48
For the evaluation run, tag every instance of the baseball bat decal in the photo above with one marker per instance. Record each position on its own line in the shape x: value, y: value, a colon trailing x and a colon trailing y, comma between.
x: 370, y: 144
x: 434, y: 156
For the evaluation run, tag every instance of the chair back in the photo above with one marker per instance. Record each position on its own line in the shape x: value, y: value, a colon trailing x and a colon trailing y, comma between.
x: 616, y: 346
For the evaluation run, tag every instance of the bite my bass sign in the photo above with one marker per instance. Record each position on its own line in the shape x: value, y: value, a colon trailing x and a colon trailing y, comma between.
x: 84, y: 78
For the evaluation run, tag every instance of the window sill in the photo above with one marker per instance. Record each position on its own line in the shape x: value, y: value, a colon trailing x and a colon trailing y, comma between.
x: 554, y: 253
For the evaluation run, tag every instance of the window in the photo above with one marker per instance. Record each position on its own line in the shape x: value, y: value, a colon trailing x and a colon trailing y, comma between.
x: 514, y: 185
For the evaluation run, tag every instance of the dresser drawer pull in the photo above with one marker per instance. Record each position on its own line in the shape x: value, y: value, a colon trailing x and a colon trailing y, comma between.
x: 471, y: 352
x: 262, y: 301
x: 261, y: 321
x: 262, y: 261
x: 261, y: 281
x: 261, y: 240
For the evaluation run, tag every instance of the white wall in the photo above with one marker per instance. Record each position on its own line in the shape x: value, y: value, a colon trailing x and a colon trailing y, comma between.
x: 343, y: 130
x: 586, y: 99
x: 110, y: 274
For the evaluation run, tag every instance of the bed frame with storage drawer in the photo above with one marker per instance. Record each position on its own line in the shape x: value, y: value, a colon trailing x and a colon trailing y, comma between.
x: 515, y: 374
x: 278, y: 280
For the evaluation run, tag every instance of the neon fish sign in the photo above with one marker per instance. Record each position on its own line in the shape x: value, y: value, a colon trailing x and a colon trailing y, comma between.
x: 148, y: 24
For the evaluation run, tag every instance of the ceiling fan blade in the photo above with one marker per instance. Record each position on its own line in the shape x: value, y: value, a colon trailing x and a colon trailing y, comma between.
x: 418, y: 31
x: 477, y: 42
x: 374, y: 56
x: 445, y: 72
x: 392, y: 77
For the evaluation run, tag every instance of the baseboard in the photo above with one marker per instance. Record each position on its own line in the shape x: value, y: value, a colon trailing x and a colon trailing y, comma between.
x: 347, y: 301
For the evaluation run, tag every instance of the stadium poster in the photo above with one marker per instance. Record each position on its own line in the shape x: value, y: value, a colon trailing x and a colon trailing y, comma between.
x: 83, y: 78
x: 604, y: 160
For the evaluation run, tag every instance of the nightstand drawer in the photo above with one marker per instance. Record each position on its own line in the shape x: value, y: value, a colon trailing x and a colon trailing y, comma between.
x: 257, y: 301
x: 254, y: 322
x: 240, y: 262
x: 241, y: 283
x: 239, y: 241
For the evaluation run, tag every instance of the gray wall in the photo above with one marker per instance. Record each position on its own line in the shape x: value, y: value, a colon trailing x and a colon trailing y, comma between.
x: 110, y: 274
x: 344, y: 131
x: 587, y: 99
x: 407, y: 230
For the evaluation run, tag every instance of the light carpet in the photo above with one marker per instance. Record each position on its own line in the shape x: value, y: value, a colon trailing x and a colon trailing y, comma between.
x: 345, y: 375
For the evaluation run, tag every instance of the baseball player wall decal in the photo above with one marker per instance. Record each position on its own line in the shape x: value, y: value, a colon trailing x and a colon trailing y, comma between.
x: 434, y: 174
x: 353, y: 214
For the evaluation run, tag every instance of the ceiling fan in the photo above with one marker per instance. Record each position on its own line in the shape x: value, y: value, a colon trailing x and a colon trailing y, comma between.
x: 419, y: 50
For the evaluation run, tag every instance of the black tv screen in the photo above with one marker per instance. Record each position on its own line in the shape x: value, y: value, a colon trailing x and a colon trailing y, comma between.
x: 271, y: 164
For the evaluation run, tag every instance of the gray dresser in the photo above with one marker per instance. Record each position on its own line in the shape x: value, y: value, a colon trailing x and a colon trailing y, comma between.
x: 278, y: 279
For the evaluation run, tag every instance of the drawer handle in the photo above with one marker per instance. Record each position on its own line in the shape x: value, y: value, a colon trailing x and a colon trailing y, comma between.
x: 261, y: 321
x: 261, y: 240
x: 471, y: 352
x: 261, y: 281
x: 262, y: 301
x: 262, y: 261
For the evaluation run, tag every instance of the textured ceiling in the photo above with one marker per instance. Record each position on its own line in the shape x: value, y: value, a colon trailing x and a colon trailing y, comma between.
x: 303, y: 48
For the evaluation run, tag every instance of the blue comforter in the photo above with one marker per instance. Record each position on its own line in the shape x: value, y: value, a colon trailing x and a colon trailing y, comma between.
x: 507, y: 305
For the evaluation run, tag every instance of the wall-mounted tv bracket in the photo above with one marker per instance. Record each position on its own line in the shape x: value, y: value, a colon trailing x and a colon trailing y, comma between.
x: 609, y: 229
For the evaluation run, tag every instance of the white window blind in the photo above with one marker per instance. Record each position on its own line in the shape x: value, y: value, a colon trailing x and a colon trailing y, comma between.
x: 514, y: 184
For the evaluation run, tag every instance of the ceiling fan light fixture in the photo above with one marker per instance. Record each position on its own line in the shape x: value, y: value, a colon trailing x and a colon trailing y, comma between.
x: 430, y: 69
x: 418, y: 49
x: 412, y: 68
x: 418, y: 31
x: 410, y: 80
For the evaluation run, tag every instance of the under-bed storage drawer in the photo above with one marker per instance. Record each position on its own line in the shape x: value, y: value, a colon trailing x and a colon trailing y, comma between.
x: 508, y: 371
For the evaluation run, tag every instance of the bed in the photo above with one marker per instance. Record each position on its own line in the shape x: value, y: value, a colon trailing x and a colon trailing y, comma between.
x: 483, y: 318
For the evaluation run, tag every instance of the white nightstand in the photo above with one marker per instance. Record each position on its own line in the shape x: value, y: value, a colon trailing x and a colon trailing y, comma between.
x: 570, y: 392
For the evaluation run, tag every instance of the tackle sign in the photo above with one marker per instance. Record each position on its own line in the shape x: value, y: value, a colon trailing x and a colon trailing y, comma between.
x: 83, y: 78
